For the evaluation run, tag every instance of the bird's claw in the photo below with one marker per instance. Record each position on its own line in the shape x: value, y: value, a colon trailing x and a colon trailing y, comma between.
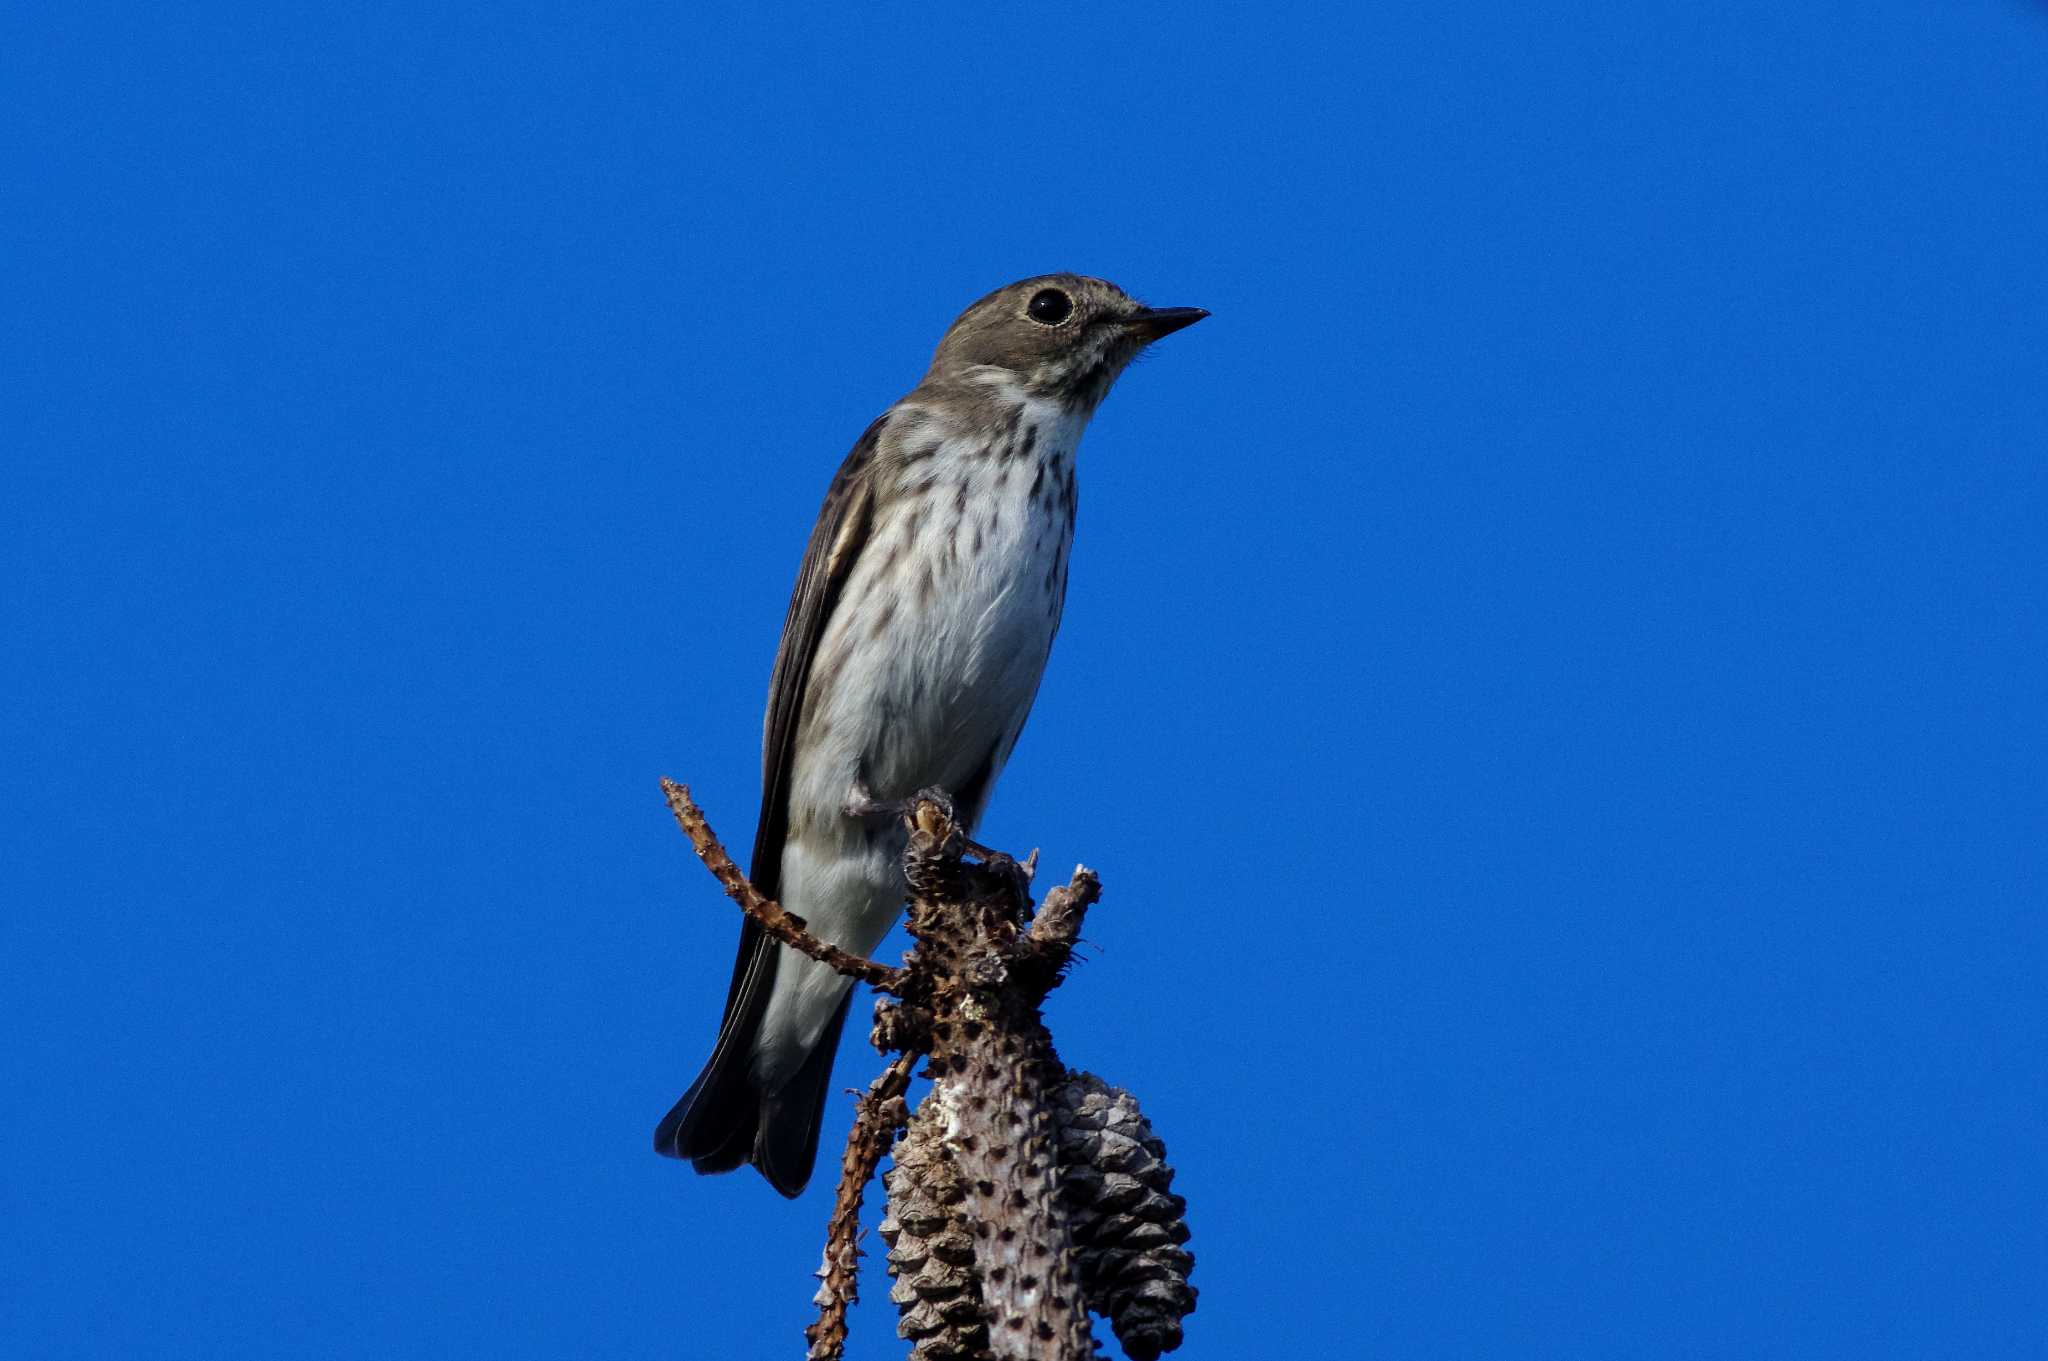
x: 862, y: 804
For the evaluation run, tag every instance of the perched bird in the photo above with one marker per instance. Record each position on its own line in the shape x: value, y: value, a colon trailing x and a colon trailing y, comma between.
x: 919, y: 628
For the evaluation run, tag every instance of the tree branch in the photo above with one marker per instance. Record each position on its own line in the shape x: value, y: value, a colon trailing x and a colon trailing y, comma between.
x: 776, y: 920
x: 1058, y: 923
x: 878, y: 1116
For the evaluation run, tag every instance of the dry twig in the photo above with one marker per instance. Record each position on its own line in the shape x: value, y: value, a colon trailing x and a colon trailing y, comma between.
x: 776, y: 920
x: 1058, y: 923
x: 878, y: 1117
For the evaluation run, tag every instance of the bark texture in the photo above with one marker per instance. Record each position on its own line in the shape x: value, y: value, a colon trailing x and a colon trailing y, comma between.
x: 981, y: 978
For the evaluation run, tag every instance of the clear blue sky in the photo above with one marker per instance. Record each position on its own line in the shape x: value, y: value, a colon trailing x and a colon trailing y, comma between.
x: 1554, y: 676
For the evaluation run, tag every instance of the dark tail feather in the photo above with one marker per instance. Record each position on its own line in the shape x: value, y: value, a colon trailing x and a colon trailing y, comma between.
x: 713, y: 1125
x: 725, y: 1120
x: 786, y: 1142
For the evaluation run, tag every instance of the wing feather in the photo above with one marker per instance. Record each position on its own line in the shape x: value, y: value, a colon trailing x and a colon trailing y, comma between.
x: 836, y: 541
x: 842, y: 531
x: 717, y: 1123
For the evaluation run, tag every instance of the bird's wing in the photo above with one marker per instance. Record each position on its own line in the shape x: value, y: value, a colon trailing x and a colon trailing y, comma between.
x: 715, y: 1122
x: 836, y: 543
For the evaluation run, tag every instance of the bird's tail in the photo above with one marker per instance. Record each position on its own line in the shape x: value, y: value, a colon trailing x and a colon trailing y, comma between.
x: 726, y: 1118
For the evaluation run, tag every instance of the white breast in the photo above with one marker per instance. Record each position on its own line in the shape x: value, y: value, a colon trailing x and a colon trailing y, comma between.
x: 936, y: 647
x: 925, y: 673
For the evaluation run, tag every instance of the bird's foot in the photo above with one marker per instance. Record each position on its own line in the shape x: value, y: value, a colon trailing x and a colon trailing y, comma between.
x: 861, y: 804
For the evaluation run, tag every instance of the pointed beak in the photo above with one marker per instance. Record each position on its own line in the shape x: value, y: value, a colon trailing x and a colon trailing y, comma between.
x: 1150, y: 323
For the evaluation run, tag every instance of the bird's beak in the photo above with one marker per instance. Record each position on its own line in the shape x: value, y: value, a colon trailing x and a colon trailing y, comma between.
x: 1150, y: 323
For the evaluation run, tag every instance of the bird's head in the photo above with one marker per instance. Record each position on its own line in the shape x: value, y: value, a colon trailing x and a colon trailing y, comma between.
x: 1063, y: 337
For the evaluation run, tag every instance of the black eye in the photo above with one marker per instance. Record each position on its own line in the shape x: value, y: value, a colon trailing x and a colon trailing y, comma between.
x: 1050, y: 307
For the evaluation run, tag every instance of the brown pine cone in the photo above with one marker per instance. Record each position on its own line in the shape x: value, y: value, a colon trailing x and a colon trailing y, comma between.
x: 931, y: 1250
x: 1128, y: 1226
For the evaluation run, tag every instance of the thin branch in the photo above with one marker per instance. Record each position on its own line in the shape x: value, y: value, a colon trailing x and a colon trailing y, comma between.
x: 1058, y: 923
x: 878, y: 1115
x: 777, y: 921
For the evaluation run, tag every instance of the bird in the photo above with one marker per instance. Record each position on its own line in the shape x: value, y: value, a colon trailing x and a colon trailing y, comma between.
x: 917, y: 633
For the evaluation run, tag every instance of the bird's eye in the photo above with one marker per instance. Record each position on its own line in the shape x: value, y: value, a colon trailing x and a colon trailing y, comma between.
x: 1049, y: 307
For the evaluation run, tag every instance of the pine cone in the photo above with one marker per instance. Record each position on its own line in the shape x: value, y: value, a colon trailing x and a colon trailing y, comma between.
x: 1128, y: 1227
x: 931, y: 1250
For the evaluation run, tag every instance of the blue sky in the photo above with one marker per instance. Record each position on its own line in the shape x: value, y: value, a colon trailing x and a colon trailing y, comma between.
x: 1553, y: 678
